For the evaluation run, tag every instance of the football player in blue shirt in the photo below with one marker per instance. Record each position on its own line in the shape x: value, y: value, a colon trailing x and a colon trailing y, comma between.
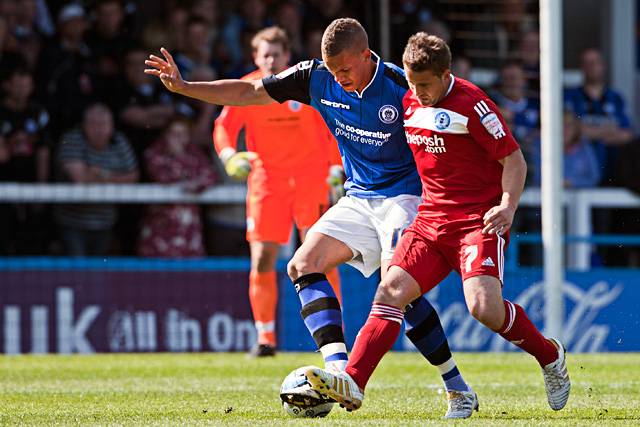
x: 360, y: 98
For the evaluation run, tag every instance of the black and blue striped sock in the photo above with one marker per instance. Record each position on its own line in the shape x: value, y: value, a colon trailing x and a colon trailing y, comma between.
x: 425, y: 332
x: 322, y: 315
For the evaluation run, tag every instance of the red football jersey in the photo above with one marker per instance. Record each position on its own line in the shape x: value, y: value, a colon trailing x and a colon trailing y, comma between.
x: 457, y: 144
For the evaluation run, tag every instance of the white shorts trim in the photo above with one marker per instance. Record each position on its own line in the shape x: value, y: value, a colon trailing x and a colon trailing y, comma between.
x: 369, y: 227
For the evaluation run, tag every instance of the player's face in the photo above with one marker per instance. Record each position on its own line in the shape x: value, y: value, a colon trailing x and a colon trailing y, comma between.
x: 428, y: 87
x: 271, y: 58
x: 350, y: 69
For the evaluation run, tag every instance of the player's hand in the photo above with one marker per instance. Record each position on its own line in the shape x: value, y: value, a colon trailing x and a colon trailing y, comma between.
x: 239, y: 165
x: 336, y: 180
x: 166, y: 69
x: 498, y: 219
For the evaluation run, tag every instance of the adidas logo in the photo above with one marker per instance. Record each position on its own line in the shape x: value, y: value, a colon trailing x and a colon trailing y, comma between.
x: 488, y: 262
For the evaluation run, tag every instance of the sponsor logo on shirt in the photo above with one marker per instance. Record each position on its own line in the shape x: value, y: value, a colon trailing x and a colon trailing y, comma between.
x: 362, y: 136
x: 388, y: 114
x: 334, y: 104
x: 432, y: 144
x: 489, y: 120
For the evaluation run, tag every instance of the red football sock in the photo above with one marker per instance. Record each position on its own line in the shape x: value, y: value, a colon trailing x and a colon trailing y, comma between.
x: 374, y: 340
x: 518, y: 329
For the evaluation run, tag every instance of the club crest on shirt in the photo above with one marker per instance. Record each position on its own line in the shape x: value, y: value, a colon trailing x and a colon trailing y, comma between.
x: 294, y: 106
x: 442, y: 120
x: 489, y: 120
x: 388, y: 114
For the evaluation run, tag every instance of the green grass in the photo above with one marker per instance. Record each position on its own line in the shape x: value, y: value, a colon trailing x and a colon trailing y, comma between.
x: 229, y: 389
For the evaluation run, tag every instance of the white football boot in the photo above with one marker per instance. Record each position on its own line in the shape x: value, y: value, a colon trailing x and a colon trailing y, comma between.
x: 556, y: 379
x: 461, y: 404
x: 338, y: 386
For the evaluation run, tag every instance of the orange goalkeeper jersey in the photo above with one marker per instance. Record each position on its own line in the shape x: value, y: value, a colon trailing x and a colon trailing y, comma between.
x: 291, y: 139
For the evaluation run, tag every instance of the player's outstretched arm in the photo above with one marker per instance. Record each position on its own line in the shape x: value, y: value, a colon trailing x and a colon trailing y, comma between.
x: 220, y: 92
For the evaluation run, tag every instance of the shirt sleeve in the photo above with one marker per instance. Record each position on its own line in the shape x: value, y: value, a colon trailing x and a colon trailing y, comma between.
x: 291, y: 84
x: 488, y: 128
x: 621, y: 115
x: 128, y: 161
x: 227, y: 127
x: 72, y: 148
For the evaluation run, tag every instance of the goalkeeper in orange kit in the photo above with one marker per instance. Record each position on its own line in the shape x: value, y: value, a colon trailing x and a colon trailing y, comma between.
x: 290, y: 155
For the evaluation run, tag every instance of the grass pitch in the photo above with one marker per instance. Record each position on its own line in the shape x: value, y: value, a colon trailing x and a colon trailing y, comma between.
x: 229, y: 389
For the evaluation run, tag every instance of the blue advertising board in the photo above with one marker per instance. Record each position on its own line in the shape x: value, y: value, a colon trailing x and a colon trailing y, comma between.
x: 50, y: 305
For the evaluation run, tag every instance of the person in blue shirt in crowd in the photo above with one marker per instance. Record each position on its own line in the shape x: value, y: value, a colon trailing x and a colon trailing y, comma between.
x: 601, y: 111
x: 360, y: 98
x: 581, y: 169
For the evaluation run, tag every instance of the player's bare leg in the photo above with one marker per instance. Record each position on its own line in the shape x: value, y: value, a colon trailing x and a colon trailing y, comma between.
x: 332, y: 274
x: 263, y: 295
x: 483, y: 295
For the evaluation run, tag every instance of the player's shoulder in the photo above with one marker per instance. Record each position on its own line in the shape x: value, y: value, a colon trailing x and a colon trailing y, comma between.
x: 395, y: 75
x: 467, y: 90
x: 466, y: 95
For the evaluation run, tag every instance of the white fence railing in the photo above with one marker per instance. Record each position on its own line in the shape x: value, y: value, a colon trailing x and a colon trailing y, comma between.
x: 579, y: 203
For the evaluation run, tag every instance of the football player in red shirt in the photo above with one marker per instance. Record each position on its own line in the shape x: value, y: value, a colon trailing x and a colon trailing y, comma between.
x: 473, y: 174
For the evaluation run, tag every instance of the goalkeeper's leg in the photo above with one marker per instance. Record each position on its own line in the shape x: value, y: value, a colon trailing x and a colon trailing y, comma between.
x: 263, y: 295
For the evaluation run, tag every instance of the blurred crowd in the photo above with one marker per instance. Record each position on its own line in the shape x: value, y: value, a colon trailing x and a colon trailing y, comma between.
x: 75, y: 106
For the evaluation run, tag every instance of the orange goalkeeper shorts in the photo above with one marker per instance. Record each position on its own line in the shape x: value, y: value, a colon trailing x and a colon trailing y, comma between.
x: 274, y: 204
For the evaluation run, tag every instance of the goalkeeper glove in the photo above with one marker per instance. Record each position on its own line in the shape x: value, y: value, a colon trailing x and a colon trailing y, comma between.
x: 336, y: 180
x: 238, y: 165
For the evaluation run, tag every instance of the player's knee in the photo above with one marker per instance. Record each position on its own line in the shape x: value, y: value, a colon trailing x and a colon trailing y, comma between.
x: 305, y: 262
x: 391, y: 293
x: 264, y: 263
x: 299, y: 266
x: 484, y: 314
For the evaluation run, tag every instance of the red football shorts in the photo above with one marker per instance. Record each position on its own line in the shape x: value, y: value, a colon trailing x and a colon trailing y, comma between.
x: 429, y: 253
x: 274, y: 204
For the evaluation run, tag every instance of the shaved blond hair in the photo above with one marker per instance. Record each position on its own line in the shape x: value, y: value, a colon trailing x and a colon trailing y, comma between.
x: 344, y: 34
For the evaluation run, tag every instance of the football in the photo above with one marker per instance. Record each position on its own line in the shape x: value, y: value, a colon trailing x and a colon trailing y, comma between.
x: 299, y: 400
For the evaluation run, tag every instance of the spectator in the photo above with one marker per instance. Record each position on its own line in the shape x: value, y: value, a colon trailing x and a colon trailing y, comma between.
x: 143, y: 109
x: 580, y: 164
x: 313, y: 42
x: 8, y: 18
x: 28, y: 36
x: 200, y: 113
x: 65, y: 79
x: 461, y: 67
x: 321, y: 12
x: 521, y: 113
x: 197, y: 52
x: 24, y: 157
x: 24, y: 126
x: 289, y: 17
x: 92, y: 153
x: 108, y: 42
x: 237, y: 33
x: 167, y: 30
x: 601, y: 110
x: 175, y: 230
x: 529, y: 53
